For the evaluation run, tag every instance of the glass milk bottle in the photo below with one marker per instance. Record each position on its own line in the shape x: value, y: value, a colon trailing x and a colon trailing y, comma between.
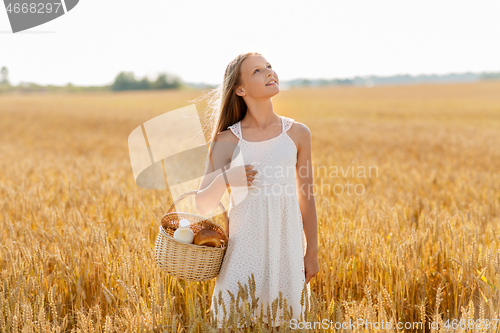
x: 184, y: 233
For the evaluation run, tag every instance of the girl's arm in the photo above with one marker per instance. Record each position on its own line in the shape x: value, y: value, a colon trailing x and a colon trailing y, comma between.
x: 213, y: 184
x: 208, y: 198
x: 306, y: 199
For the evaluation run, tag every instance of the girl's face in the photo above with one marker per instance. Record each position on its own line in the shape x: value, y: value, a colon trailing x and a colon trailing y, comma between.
x: 255, y: 75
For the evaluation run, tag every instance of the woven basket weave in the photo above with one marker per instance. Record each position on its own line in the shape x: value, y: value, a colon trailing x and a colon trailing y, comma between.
x: 189, y: 261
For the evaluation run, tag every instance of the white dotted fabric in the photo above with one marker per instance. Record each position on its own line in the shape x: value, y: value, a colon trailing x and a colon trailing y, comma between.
x: 266, y: 234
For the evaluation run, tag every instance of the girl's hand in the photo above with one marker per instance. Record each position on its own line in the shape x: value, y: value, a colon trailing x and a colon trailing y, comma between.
x: 311, y: 265
x: 242, y: 175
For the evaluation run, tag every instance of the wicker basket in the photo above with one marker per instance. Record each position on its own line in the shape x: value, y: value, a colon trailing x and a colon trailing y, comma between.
x: 189, y: 261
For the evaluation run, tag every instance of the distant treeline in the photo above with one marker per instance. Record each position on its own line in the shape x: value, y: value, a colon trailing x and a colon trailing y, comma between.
x: 122, y: 81
x: 373, y: 80
x: 127, y: 81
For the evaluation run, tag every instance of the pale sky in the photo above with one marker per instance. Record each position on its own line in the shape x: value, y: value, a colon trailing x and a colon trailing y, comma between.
x: 96, y: 40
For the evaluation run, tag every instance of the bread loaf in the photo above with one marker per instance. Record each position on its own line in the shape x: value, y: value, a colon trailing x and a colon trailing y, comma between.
x: 207, y: 237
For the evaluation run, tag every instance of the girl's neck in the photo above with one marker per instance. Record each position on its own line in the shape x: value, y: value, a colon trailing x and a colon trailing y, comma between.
x: 260, y: 114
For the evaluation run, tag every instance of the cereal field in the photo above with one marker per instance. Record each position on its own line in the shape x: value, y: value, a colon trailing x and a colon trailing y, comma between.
x: 414, y: 241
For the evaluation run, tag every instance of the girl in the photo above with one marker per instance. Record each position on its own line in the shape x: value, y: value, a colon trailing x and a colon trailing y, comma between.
x: 272, y: 214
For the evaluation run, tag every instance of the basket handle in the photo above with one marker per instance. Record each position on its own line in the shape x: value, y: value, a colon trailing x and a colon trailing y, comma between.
x: 193, y: 192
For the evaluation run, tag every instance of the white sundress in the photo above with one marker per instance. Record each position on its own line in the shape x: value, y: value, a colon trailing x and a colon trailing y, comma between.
x: 266, y: 235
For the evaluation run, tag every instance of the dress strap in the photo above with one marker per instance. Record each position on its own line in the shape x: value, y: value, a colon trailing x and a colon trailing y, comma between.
x: 236, y: 129
x: 287, y: 123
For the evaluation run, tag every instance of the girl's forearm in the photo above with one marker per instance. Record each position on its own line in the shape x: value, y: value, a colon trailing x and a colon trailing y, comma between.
x: 310, y: 222
x: 207, y: 200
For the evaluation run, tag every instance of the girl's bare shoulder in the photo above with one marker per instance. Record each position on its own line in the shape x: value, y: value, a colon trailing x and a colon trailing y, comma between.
x: 300, y: 134
x: 225, y: 143
x: 226, y: 136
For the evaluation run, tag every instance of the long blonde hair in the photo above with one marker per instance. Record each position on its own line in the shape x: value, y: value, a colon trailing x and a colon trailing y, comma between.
x: 224, y: 107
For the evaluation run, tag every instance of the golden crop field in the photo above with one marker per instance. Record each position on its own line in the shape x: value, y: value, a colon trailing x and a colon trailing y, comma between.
x: 418, y: 242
